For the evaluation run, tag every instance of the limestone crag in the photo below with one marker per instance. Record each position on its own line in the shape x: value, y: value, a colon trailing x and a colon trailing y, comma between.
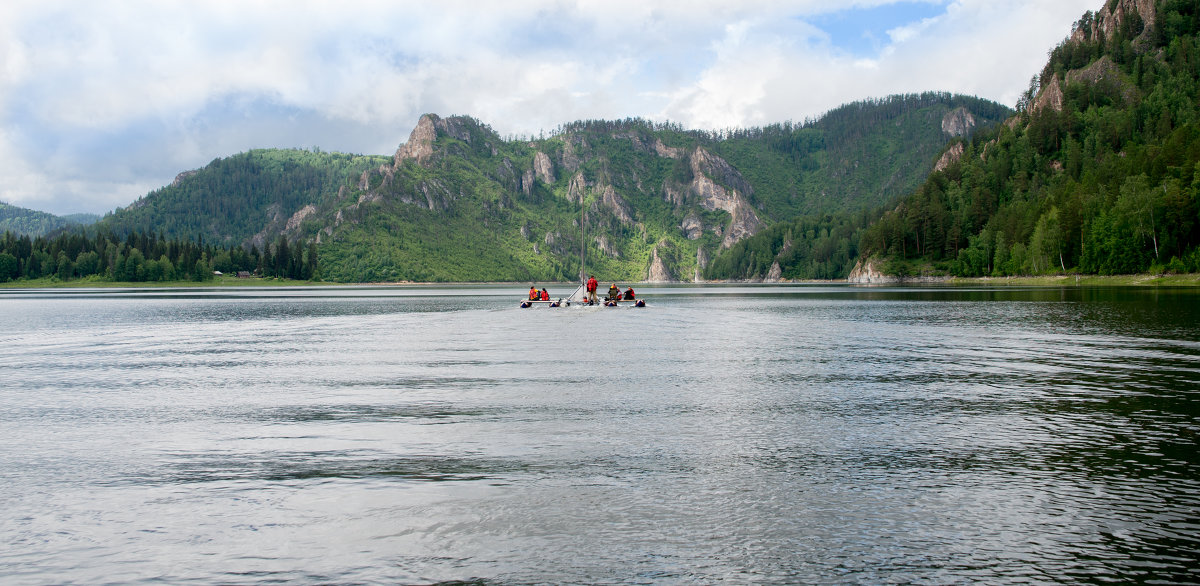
x: 867, y: 273
x: 293, y: 222
x: 958, y: 122
x: 420, y: 142
x: 951, y: 156
x: 744, y: 222
x: 543, y: 168
x: 657, y: 271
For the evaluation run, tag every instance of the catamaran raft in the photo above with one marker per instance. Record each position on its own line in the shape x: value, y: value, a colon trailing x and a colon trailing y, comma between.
x: 579, y: 298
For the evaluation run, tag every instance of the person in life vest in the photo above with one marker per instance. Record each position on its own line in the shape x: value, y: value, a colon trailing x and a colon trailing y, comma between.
x: 591, y: 289
x: 629, y: 294
x: 533, y: 293
x: 545, y: 296
x: 614, y: 293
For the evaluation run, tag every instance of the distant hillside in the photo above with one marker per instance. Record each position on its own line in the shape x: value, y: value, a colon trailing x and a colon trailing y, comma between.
x: 242, y: 198
x: 458, y: 203
x: 26, y: 222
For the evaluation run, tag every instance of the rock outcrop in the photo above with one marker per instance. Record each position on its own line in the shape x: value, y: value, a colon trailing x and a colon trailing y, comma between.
x: 951, y: 156
x: 543, y: 168
x: 657, y: 271
x: 958, y: 122
x: 744, y: 222
x: 420, y: 142
x: 867, y: 273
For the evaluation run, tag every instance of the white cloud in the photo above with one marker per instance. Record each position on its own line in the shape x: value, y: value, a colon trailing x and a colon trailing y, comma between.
x: 121, y: 95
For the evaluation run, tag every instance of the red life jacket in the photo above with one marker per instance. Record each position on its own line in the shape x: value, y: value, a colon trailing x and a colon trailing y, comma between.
x: 545, y: 296
x: 591, y: 287
x: 533, y: 295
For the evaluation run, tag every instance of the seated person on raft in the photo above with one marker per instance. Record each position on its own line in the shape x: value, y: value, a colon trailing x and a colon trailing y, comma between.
x: 614, y: 293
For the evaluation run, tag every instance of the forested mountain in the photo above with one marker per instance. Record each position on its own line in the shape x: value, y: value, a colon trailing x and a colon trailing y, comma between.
x: 1099, y: 172
x: 246, y: 198
x: 26, y: 222
x: 637, y: 200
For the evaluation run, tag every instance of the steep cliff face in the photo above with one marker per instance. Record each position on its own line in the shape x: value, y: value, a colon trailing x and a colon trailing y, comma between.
x: 707, y: 170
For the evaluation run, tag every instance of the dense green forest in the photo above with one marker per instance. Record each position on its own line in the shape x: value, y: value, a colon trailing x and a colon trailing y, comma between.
x: 234, y: 198
x: 1098, y: 173
x: 805, y: 248
x: 34, y: 223
x: 140, y: 257
x: 860, y: 155
x: 1108, y: 183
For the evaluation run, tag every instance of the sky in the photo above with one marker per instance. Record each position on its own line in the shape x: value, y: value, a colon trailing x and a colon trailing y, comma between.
x: 104, y: 101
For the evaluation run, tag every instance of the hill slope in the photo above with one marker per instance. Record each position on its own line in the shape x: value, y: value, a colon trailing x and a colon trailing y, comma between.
x: 457, y: 202
x: 26, y: 222
x: 1099, y: 172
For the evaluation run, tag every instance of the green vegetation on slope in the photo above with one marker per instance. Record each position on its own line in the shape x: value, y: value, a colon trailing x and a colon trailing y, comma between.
x: 232, y: 199
x: 860, y: 155
x: 1108, y: 184
x: 28, y: 222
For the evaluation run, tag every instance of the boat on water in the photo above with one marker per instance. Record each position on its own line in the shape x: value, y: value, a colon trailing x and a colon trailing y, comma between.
x: 578, y: 298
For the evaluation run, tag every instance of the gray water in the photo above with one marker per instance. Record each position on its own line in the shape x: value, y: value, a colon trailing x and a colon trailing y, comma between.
x: 745, y: 434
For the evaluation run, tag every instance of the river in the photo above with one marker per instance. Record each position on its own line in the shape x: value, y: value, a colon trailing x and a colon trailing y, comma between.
x: 748, y: 434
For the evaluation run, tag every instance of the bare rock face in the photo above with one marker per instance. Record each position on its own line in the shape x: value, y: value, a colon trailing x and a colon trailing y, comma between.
x: 774, y: 274
x: 420, y: 142
x: 180, y: 177
x: 744, y: 221
x: 577, y: 189
x: 543, y: 168
x: 293, y: 222
x: 570, y: 160
x: 665, y: 151
x: 657, y: 271
x: 951, y: 156
x: 1050, y: 96
x: 692, y: 227
x: 958, y: 122
x: 867, y: 273
x: 611, y: 200
x: 527, y: 182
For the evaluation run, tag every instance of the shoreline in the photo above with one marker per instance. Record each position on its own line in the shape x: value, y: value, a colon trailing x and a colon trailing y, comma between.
x: 1139, y: 280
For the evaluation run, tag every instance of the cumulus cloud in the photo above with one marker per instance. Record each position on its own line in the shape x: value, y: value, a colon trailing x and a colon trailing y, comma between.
x: 102, y: 101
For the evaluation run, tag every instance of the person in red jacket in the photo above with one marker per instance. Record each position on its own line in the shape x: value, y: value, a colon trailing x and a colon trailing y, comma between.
x: 591, y: 288
x: 545, y: 294
x: 533, y: 293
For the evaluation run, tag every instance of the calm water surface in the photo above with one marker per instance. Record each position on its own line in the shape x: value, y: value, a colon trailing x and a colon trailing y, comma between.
x: 742, y: 434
